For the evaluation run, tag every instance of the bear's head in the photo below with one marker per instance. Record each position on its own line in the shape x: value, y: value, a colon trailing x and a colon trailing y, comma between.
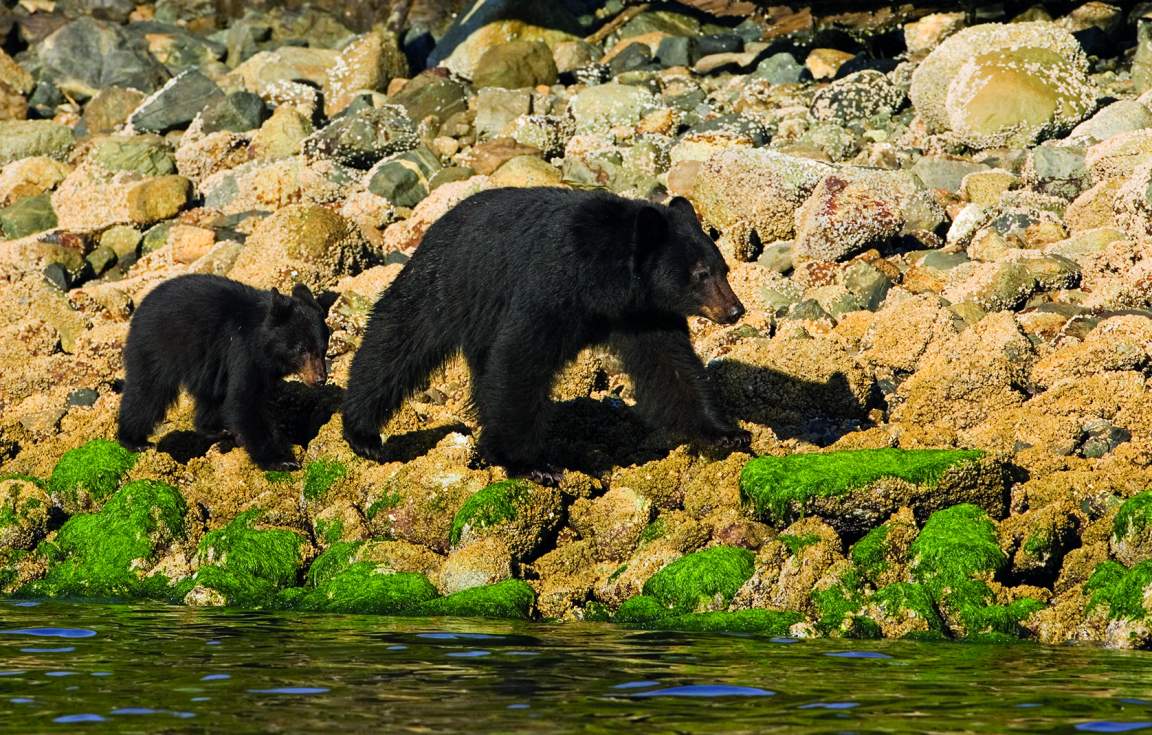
x: 295, y: 337
x: 683, y: 269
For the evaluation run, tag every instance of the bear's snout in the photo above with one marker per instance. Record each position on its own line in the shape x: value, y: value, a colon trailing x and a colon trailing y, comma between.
x: 721, y: 304
x: 314, y: 371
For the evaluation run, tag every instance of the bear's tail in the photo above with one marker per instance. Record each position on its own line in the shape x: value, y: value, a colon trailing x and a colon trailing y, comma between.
x: 403, y: 344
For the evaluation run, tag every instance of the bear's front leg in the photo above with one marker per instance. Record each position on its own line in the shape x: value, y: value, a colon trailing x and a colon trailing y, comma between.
x: 671, y: 385
x: 245, y: 414
x: 510, y: 392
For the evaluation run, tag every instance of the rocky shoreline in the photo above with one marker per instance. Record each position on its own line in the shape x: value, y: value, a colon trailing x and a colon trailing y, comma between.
x: 941, y: 226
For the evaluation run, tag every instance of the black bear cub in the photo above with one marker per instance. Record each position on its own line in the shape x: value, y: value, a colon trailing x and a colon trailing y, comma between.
x: 227, y: 344
x: 520, y: 280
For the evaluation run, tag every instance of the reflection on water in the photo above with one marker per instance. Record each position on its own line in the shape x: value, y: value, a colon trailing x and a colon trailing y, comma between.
x: 118, y: 668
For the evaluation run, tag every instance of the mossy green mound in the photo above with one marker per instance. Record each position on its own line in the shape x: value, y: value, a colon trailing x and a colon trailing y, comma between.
x: 707, y: 578
x: 335, y: 559
x: 910, y: 600
x: 101, y: 554
x: 838, y: 608
x: 366, y: 587
x: 510, y: 599
x: 779, y: 487
x: 93, y: 470
x: 641, y: 609
x: 489, y: 506
x: 1119, y: 589
x: 870, y: 554
x: 1133, y: 516
x: 320, y: 475
x: 248, y: 565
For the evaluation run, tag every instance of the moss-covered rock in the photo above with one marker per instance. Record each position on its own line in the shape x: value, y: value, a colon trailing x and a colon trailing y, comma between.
x: 701, y: 581
x: 519, y: 512
x: 838, y: 597
x: 510, y: 599
x: 320, y: 475
x: 855, y: 490
x: 89, y: 473
x: 247, y: 564
x: 365, y: 587
x: 1122, y: 591
x: 24, y: 513
x: 1131, y: 541
x: 904, y: 610
x: 641, y: 609
x: 111, y: 553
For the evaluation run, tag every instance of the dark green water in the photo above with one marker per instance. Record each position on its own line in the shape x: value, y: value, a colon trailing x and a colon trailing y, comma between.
x: 118, y: 668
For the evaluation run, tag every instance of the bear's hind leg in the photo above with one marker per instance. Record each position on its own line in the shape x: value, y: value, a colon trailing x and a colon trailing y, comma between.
x: 143, y: 403
x: 671, y: 385
x: 511, y: 394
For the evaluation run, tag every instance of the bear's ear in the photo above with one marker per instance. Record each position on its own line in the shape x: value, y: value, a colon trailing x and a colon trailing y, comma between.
x: 680, y: 204
x: 303, y: 294
x: 649, y: 231
x: 279, y: 307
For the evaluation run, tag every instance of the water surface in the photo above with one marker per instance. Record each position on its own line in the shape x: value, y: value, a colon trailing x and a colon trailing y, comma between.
x: 71, y: 667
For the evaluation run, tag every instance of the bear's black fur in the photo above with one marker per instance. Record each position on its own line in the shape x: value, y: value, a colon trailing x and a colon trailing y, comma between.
x: 227, y: 344
x: 520, y: 280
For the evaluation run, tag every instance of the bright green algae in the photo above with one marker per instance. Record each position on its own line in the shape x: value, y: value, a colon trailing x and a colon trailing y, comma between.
x: 1133, y: 516
x: 96, y: 467
x: 489, y: 506
x: 249, y: 565
x: 364, y: 587
x: 97, y: 554
x: 779, y: 487
x: 1120, y: 589
x: 700, y: 579
x: 512, y: 598
x: 320, y: 476
x: 902, y: 597
x: 870, y: 553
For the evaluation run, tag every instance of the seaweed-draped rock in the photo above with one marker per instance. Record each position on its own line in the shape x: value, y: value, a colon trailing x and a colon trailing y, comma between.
x: 997, y: 84
x: 856, y: 490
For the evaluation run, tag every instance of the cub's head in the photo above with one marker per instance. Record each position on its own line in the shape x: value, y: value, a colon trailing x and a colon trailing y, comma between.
x: 682, y: 268
x: 295, y: 337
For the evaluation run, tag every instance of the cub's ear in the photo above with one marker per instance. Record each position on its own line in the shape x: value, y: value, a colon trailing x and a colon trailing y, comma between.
x: 303, y: 294
x: 649, y: 231
x: 279, y: 307
x: 680, y: 204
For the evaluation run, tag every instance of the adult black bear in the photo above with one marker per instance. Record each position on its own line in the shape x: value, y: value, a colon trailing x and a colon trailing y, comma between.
x: 520, y: 280
x: 227, y: 344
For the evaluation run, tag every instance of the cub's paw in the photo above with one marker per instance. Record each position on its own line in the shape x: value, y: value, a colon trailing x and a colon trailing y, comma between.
x: 548, y: 475
x: 732, y: 440
x: 288, y: 465
x: 367, y: 448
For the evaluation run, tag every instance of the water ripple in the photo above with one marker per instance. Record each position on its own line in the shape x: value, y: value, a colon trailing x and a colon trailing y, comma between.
x: 707, y: 690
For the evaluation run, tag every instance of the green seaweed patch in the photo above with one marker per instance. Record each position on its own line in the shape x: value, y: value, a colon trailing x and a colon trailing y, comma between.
x: 705, y: 578
x: 320, y: 475
x: 912, y: 600
x: 388, y: 501
x: 780, y: 487
x: 507, y: 600
x: 838, y: 608
x: 641, y: 609
x: 366, y: 587
x: 955, y: 544
x: 96, y: 467
x: 765, y: 622
x: 1120, y: 590
x: 100, y: 554
x: 870, y: 553
x: 335, y: 559
x: 488, y: 507
x: 795, y: 544
x: 279, y: 477
x: 10, y: 567
x: 249, y: 565
x: 1134, y: 515
x: 654, y: 530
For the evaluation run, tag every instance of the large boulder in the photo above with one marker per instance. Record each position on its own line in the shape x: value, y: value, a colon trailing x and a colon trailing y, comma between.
x: 86, y: 55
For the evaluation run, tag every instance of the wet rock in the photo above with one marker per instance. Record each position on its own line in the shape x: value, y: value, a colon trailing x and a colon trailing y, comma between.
x: 27, y: 138
x: 484, y: 561
x: 176, y: 103
x: 87, y: 55
x: 144, y: 154
x: 364, y: 137
x: 368, y: 62
x: 27, y: 216
x: 515, y: 65
x: 236, y: 112
x: 403, y: 179
x: 301, y: 244
x: 1000, y: 84
x: 598, y: 109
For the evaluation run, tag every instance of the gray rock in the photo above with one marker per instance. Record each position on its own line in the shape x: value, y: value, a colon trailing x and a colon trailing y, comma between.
x: 27, y: 138
x: 634, y: 56
x: 237, y: 112
x: 429, y: 94
x: 739, y: 125
x: 675, y: 51
x: 777, y: 256
x: 144, y: 154
x: 176, y: 103
x: 597, y: 109
x: 404, y: 179
x: 549, y: 133
x: 82, y: 397
x: 781, y: 68
x: 363, y: 138
x: 1101, y: 436
x: 944, y: 173
x: 27, y: 217
x: 100, y: 260
x: 497, y: 107
x: 87, y: 55
x: 867, y: 283
x: 1121, y: 116
x: 1057, y: 170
